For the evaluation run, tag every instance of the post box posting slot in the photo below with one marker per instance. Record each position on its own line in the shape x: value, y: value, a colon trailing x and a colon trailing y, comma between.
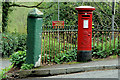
x: 85, y: 15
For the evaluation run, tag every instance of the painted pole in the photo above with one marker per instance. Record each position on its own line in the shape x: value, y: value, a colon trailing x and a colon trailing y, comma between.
x: 58, y: 20
x: 113, y: 13
x: 0, y: 41
x: 34, y: 36
x: 58, y: 10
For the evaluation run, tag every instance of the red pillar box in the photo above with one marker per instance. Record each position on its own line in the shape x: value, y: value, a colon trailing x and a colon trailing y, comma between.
x: 84, y: 51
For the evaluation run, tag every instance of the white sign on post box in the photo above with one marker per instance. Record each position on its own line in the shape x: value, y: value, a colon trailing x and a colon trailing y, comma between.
x: 85, y: 24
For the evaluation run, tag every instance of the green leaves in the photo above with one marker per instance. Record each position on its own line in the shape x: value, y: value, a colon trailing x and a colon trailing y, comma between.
x: 106, y: 50
x: 27, y: 66
x: 12, y: 42
x: 18, y: 58
x: 62, y: 57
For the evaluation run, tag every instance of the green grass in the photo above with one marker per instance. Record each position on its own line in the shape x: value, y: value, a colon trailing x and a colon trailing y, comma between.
x: 97, y: 59
x: 113, y: 57
x: 110, y: 57
x: 74, y: 62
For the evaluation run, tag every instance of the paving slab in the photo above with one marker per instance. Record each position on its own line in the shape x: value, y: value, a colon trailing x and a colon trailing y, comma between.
x: 57, y: 71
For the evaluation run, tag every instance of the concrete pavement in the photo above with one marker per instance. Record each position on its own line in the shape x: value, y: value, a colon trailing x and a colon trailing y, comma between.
x: 69, y: 68
x: 106, y: 62
x: 4, y: 63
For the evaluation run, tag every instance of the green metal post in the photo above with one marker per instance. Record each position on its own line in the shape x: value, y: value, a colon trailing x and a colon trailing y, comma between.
x: 34, y: 35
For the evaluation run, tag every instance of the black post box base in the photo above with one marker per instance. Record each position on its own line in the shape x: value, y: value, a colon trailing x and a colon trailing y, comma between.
x: 83, y: 56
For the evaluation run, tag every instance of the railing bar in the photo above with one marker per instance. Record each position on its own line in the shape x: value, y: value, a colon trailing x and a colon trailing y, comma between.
x: 114, y: 39
x: 118, y: 40
x: 49, y: 49
x: 75, y: 40
x: 64, y: 42
x: 56, y: 43
x: 68, y: 40
x: 60, y: 30
x: 106, y: 40
x: 102, y: 40
x: 71, y: 40
x: 110, y: 40
x: 41, y: 48
x: 59, y: 42
x: 46, y: 46
x: 75, y: 30
x: 93, y: 40
x: 44, y: 49
x: 52, y: 47
x: 97, y: 38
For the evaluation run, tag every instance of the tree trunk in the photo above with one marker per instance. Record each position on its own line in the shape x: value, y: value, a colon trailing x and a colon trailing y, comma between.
x: 5, y: 10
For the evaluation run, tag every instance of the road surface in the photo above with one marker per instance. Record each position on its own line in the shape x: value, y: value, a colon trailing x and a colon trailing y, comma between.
x: 91, y: 74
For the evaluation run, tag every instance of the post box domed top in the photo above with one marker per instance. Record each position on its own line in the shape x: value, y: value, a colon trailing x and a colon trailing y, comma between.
x: 35, y: 13
x: 83, y: 8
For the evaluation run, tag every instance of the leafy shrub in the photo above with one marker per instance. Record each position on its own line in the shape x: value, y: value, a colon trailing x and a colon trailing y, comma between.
x: 66, y: 57
x: 18, y: 58
x: 27, y: 66
x: 106, y: 50
x: 13, y: 42
x: 62, y: 57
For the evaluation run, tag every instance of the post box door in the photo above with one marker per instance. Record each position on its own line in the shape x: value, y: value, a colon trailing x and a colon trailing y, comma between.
x: 86, y: 34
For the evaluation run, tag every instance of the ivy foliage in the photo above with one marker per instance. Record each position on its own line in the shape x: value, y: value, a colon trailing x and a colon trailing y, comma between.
x: 5, y: 12
x: 13, y: 42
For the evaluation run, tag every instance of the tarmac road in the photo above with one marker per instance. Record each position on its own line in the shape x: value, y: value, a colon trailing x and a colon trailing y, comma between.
x: 91, y: 74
